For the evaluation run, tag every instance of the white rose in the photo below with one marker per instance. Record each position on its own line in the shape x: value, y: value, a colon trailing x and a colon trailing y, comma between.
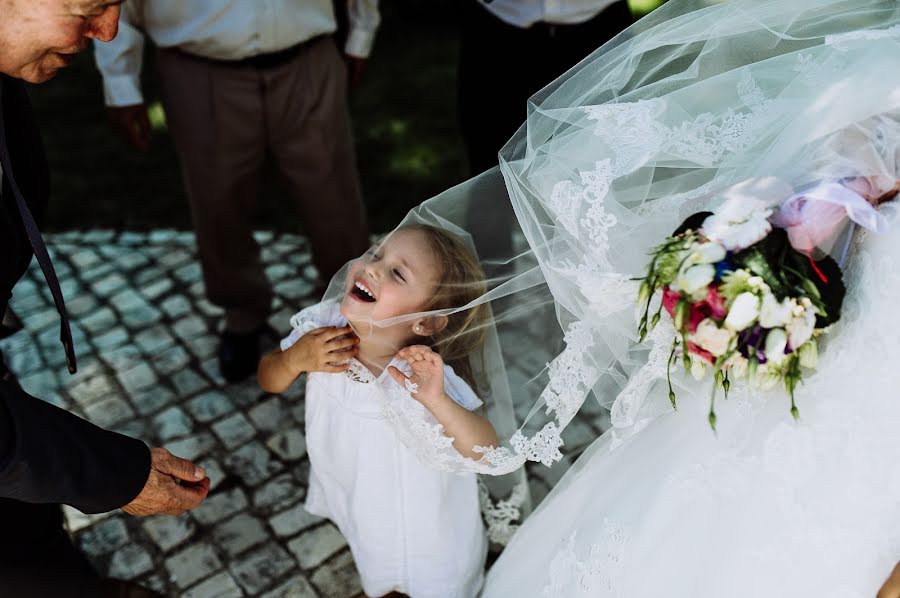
x: 800, y: 329
x: 744, y: 310
x: 772, y: 313
x: 738, y: 223
x: 712, y: 338
x: 695, y: 278
x: 706, y: 253
x: 776, y: 342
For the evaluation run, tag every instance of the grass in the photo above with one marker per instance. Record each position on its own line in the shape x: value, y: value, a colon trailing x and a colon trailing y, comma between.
x: 408, y: 144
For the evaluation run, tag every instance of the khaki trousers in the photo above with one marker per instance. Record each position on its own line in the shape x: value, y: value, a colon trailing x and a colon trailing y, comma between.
x: 226, y: 119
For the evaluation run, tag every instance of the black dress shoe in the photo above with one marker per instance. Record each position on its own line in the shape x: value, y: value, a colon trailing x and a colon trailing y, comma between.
x: 239, y: 354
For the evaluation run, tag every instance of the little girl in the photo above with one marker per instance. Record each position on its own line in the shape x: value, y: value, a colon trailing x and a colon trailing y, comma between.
x: 411, y: 529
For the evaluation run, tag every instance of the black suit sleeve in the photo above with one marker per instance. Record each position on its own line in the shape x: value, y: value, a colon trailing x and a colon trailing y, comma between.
x: 48, y: 455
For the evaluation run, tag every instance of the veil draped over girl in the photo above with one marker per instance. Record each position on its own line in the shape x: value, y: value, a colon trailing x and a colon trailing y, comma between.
x: 660, y: 123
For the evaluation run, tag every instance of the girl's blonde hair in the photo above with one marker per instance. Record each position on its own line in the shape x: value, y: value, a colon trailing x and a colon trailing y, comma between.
x: 462, y: 281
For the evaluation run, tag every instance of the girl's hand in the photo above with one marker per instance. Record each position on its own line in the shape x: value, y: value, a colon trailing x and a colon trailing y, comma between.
x: 428, y: 373
x: 891, y: 587
x: 327, y: 349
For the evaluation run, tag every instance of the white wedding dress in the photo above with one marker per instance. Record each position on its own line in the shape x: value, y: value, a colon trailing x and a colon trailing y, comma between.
x: 613, y: 157
x: 765, y: 507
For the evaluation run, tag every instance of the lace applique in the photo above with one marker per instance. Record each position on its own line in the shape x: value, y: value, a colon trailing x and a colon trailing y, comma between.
x: 358, y: 372
x: 503, y: 517
x: 597, y: 575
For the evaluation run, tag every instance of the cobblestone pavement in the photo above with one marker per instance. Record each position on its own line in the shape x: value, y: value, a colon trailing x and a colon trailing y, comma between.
x: 146, y: 344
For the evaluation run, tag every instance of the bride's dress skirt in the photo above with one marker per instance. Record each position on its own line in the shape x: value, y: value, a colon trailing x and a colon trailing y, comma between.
x: 766, y: 507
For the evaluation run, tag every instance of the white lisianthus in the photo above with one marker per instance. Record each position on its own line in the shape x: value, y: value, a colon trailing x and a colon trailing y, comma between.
x: 706, y: 253
x: 800, y: 328
x: 776, y: 342
x: 712, y: 338
x: 766, y: 378
x: 809, y: 354
x: 738, y: 223
x: 737, y: 366
x: 774, y: 313
x: 698, y: 368
x: 743, y: 311
x: 693, y: 279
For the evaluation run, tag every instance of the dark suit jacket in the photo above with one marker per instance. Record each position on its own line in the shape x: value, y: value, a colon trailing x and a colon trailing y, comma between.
x: 48, y: 455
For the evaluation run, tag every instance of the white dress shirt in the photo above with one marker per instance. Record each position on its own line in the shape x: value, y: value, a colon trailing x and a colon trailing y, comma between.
x: 222, y: 30
x: 525, y: 13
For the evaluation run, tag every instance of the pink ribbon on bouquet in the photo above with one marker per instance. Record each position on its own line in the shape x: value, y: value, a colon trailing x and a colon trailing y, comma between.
x: 812, y: 217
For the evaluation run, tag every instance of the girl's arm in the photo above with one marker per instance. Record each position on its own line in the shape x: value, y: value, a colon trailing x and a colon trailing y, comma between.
x: 467, y: 429
x: 891, y: 587
x: 321, y: 350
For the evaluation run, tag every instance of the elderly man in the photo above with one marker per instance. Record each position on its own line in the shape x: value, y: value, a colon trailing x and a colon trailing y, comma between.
x: 48, y: 456
x: 244, y: 81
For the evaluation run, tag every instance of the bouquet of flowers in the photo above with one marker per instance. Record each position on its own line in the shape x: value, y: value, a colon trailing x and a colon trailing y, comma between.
x: 746, y: 296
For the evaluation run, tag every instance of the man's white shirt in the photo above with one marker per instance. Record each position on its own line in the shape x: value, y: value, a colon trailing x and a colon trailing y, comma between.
x: 221, y: 30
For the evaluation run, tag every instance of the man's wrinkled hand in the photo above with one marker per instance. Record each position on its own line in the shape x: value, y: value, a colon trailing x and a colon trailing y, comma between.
x: 174, y: 486
x: 131, y: 124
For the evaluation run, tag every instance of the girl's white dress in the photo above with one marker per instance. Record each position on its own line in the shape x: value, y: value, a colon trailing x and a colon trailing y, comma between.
x: 410, y: 528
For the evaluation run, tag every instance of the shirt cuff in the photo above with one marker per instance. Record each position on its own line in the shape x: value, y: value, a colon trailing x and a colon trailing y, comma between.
x: 122, y: 90
x: 359, y: 43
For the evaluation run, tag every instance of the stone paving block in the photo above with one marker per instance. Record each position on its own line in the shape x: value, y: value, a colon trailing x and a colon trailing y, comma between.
x: 154, y: 339
x: 207, y: 308
x: 129, y: 562
x: 317, y: 545
x: 205, y: 346
x: 172, y: 423
x: 270, y: 415
x: 161, y: 235
x: 141, y: 316
x: 123, y: 358
x: 105, y: 537
x: 289, y: 445
x: 293, y: 520
x: 337, y: 579
x: 192, y: 447
x: 188, y: 273
x: 127, y: 299
x: 131, y: 238
x: 96, y: 272
x: 80, y: 304
x: 168, y: 532
x: 219, y: 506
x: 174, y: 257
x: 109, y: 411
x: 139, y: 377
x: 278, y: 492
x: 190, y: 327
x: 294, y: 288
x: 92, y: 390
x: 155, y: 289
x: 221, y: 585
x: 188, y: 381
x: 296, y: 587
x: 259, y: 569
x: 152, y: 399
x: 234, y: 430
x: 239, y: 533
x: 107, y: 285
x: 131, y: 260
x: 84, y: 258
x: 41, y: 319
x: 135, y: 428
x: 176, y: 306
x: 192, y: 564
x: 111, y: 339
x: 77, y: 521
x: 213, y: 470
x: 210, y: 405
x: 40, y: 384
x: 99, y: 320
x: 170, y: 360
x: 252, y: 463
